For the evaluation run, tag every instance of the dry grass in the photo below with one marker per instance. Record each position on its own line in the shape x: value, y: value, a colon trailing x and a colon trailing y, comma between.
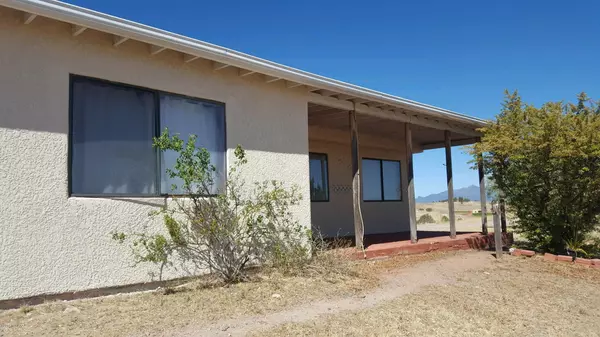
x: 202, y: 301
x: 513, y: 297
x: 465, y: 222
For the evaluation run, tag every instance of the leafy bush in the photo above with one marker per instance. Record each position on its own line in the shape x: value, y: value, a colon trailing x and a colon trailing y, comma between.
x: 425, y: 218
x: 429, y: 209
x: 546, y: 163
x: 445, y: 218
x: 226, y: 232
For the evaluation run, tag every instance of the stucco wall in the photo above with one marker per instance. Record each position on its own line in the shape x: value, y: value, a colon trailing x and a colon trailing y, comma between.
x: 53, y: 243
x: 335, y: 217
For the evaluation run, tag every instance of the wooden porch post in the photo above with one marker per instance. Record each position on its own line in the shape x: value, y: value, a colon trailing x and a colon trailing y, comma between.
x: 450, y: 184
x: 482, y: 194
x: 411, y: 187
x: 359, y: 228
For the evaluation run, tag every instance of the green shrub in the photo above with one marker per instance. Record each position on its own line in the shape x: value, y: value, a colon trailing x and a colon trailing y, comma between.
x: 429, y: 209
x: 445, y: 218
x: 227, y: 232
x: 544, y: 161
x: 425, y: 218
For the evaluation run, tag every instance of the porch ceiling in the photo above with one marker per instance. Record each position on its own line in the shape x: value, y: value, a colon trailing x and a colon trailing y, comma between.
x: 427, y: 138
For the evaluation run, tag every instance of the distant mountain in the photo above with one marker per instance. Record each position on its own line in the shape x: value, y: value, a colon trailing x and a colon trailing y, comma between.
x: 471, y: 192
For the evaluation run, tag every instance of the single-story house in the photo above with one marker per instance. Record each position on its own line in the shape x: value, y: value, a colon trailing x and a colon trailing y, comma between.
x: 82, y: 93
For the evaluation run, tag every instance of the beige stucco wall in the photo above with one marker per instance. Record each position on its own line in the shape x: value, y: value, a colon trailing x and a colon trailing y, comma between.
x: 335, y: 218
x: 53, y: 243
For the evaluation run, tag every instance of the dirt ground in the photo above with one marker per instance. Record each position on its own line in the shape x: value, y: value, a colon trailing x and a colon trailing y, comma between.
x: 200, y: 303
x: 438, y: 294
x: 464, y: 293
x: 511, y: 297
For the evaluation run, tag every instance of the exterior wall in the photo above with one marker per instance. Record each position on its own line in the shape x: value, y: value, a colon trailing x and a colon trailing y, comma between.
x: 53, y: 243
x: 335, y: 217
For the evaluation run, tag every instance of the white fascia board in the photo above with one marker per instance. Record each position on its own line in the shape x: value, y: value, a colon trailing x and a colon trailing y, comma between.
x: 117, y: 26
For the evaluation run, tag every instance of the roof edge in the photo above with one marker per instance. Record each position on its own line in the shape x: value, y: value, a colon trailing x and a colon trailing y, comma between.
x: 125, y: 28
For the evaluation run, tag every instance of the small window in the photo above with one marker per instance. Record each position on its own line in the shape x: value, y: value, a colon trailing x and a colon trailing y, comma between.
x: 381, y: 180
x: 319, y: 184
x: 112, y: 130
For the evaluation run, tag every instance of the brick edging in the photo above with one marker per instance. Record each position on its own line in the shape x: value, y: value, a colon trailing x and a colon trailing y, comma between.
x: 592, y: 263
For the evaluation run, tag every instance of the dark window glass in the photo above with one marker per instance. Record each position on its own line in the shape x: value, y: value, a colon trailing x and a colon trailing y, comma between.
x: 371, y: 179
x: 112, y: 130
x: 206, y: 120
x: 381, y: 180
x: 319, y: 186
x: 391, y: 180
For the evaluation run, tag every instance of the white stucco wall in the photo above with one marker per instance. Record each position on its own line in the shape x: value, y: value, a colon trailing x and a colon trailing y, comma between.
x: 335, y: 217
x: 53, y: 243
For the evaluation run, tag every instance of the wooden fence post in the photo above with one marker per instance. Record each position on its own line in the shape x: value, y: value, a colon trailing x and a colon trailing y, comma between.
x: 503, y: 215
x: 497, y: 230
x: 482, y: 194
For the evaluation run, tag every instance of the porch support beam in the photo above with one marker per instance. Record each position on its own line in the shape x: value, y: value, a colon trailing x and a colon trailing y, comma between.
x: 482, y: 193
x: 220, y: 66
x: 244, y: 72
x: 155, y: 50
x: 292, y: 85
x: 77, y: 30
x: 119, y: 40
x: 431, y: 146
x: 28, y: 18
x: 343, y: 97
x: 399, y: 115
x: 187, y: 58
x: 412, y: 211
x: 359, y: 228
x: 450, y: 184
x: 271, y: 79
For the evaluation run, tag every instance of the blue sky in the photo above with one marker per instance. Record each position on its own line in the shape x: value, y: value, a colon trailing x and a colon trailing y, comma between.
x: 459, y: 55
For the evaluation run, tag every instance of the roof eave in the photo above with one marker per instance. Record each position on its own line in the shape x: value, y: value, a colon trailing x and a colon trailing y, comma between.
x: 132, y: 30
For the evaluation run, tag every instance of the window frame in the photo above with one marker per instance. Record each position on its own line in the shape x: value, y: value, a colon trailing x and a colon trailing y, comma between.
x: 157, y: 131
x: 326, y: 172
x: 381, y: 180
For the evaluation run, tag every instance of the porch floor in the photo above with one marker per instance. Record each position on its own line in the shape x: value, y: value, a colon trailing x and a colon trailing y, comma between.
x: 384, y: 245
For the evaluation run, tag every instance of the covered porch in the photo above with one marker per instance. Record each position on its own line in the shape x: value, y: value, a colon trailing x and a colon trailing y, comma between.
x: 361, y: 167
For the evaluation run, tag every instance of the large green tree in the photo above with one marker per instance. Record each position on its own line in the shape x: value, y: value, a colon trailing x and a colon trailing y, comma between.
x: 546, y: 162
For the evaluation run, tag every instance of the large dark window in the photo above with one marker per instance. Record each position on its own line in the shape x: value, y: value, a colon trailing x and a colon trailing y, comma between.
x: 381, y: 180
x: 112, y: 127
x: 319, y: 186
